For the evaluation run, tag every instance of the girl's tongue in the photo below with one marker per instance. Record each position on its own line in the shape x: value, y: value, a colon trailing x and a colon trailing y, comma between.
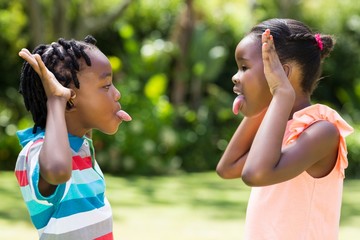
x: 123, y: 116
x: 237, y: 104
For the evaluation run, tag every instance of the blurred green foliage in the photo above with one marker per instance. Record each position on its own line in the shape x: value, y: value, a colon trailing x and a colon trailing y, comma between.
x: 157, y: 55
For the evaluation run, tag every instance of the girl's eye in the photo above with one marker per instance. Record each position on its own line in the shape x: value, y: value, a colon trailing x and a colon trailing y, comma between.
x: 107, y: 86
x: 244, y: 68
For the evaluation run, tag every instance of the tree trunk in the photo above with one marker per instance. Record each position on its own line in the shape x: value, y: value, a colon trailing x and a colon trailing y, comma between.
x: 90, y: 25
x: 60, y: 21
x: 181, y: 36
x: 36, y: 20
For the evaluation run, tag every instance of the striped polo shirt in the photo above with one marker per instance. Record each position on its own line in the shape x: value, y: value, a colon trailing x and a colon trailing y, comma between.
x: 78, y: 209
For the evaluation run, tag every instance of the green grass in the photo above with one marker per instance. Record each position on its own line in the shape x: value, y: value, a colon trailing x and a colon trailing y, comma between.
x: 191, y: 206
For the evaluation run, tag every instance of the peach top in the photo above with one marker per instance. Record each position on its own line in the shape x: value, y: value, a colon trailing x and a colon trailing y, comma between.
x: 304, y: 207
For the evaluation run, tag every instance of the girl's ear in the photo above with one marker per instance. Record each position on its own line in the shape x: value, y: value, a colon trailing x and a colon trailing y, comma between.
x: 293, y: 73
x: 287, y: 68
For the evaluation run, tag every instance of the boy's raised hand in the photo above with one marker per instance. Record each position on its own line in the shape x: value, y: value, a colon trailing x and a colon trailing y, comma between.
x: 51, y: 85
x: 273, y: 69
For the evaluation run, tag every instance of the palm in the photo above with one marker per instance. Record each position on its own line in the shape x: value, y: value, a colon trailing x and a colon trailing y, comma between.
x: 273, y: 69
x: 51, y: 85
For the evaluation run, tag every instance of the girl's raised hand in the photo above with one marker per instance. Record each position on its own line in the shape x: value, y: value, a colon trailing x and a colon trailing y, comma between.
x: 273, y: 69
x: 51, y: 85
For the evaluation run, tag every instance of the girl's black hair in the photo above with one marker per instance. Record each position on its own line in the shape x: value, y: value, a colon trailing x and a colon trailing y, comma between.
x: 294, y: 41
x: 62, y: 58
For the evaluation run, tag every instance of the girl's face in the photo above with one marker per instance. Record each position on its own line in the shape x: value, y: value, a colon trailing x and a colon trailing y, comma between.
x: 250, y: 82
x: 96, y: 103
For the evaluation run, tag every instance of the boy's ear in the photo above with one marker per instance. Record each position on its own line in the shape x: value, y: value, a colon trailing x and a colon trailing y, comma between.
x: 70, y: 106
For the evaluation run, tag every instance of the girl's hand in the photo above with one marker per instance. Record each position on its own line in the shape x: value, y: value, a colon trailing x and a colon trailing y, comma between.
x: 51, y: 85
x: 273, y: 69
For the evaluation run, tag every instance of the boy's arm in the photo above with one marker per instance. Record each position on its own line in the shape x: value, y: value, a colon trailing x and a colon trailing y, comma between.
x: 234, y: 157
x: 55, y: 158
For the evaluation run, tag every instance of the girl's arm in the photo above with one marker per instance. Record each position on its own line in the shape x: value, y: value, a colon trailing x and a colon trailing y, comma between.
x: 55, y: 158
x: 233, y: 159
x: 316, y: 148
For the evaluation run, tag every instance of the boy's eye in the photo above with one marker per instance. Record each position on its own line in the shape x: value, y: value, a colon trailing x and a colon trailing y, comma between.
x: 107, y: 86
x: 244, y: 68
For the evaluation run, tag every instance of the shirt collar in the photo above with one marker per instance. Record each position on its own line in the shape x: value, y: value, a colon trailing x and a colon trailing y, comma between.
x: 27, y: 135
x: 75, y: 142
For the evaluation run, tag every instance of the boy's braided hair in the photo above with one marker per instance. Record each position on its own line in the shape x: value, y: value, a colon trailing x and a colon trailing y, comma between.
x: 294, y: 41
x: 62, y: 58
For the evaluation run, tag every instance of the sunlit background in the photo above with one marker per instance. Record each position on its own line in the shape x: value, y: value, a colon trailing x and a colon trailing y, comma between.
x: 173, y: 61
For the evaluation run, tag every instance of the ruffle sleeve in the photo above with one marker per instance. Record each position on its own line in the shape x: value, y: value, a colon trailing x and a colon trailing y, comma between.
x: 317, y: 112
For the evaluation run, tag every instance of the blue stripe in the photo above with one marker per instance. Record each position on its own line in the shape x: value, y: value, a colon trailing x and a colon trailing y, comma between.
x: 42, y: 219
x: 84, y: 190
x: 67, y: 208
x: 55, y: 197
x: 74, y: 206
x: 37, y: 208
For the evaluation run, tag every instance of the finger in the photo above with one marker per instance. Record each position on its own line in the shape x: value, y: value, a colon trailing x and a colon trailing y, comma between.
x: 271, y: 42
x: 265, y: 47
x: 41, y: 64
x: 24, y: 51
x: 265, y: 36
x: 28, y: 57
x: 266, y: 40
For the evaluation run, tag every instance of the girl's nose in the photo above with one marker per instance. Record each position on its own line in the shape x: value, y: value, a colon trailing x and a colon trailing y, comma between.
x: 235, y: 79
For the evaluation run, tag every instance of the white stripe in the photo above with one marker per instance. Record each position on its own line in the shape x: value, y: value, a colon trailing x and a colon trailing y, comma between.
x: 85, y: 176
x: 20, y: 163
x: 40, y: 231
x: 79, y: 220
x: 26, y: 193
x: 67, y: 187
x: 32, y: 163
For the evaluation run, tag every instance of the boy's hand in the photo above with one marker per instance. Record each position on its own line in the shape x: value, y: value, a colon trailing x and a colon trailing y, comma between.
x: 273, y: 69
x: 51, y: 85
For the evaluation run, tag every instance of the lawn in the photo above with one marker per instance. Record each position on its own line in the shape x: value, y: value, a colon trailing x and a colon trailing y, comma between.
x: 197, y: 206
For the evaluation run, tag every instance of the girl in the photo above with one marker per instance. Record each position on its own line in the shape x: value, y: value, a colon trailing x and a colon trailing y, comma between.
x: 67, y: 86
x: 293, y: 153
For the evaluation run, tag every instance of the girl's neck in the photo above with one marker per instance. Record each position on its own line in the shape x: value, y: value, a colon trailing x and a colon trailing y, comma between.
x: 300, y: 103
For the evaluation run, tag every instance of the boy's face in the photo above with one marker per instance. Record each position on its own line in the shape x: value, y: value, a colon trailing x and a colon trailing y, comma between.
x: 96, y: 102
x: 250, y: 82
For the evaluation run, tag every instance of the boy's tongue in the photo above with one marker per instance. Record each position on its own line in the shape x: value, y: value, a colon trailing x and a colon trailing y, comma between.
x: 123, y: 116
x: 237, y: 104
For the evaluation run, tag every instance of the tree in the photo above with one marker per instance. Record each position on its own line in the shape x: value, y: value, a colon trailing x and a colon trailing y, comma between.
x: 181, y: 36
x: 69, y: 19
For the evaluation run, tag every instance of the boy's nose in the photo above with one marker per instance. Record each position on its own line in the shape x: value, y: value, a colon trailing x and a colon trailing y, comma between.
x: 117, y: 95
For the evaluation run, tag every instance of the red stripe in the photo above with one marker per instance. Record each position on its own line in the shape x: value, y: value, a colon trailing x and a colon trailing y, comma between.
x: 108, y: 236
x: 80, y: 163
x: 21, y: 176
x: 32, y: 145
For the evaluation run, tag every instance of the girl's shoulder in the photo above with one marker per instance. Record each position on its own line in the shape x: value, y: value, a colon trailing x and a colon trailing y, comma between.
x: 317, y: 112
x: 325, y: 130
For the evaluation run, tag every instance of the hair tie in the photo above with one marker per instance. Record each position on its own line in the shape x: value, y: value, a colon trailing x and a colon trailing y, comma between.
x: 318, y: 41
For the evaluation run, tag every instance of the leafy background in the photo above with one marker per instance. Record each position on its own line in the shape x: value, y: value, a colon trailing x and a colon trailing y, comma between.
x: 173, y: 62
